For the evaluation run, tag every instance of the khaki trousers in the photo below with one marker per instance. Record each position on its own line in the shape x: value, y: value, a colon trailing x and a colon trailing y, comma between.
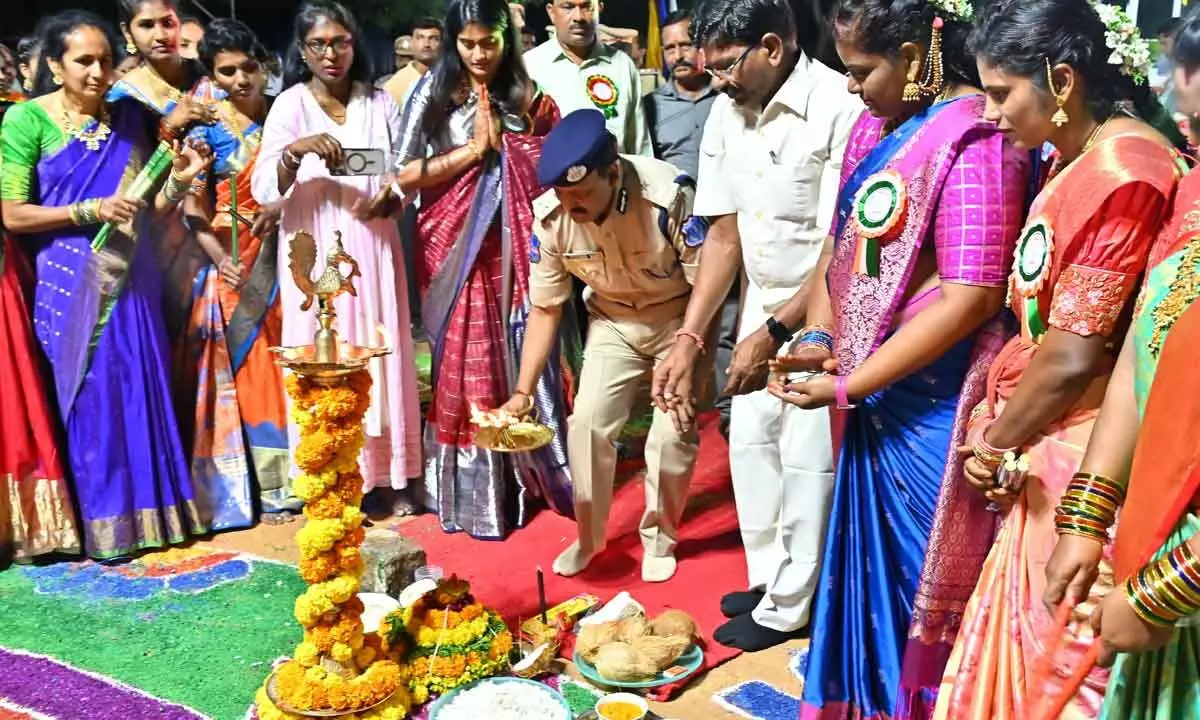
x: 617, y: 361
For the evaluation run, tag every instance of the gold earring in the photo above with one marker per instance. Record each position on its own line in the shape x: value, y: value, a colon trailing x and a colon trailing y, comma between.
x: 55, y: 77
x: 130, y: 48
x: 932, y: 83
x: 932, y: 78
x: 1060, y: 117
x: 27, y: 84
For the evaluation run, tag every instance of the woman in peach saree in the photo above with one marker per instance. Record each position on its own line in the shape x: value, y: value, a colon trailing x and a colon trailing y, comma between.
x: 1045, y: 67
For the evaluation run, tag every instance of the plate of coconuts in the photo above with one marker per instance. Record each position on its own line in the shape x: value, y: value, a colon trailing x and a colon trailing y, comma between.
x: 638, y: 652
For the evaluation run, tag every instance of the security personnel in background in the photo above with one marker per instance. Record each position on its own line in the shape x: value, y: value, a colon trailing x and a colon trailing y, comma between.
x: 623, y: 225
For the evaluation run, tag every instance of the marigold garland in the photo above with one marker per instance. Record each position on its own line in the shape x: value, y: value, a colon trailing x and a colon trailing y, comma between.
x: 336, y: 666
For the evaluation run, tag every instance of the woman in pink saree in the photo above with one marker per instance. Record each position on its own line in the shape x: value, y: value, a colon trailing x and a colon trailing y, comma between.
x: 1045, y: 67
x: 471, y: 139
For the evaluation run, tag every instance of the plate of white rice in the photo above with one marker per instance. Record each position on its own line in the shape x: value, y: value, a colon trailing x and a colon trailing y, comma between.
x: 502, y: 698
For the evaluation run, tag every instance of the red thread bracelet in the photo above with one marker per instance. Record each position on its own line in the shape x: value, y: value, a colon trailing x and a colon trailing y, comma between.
x: 694, y: 337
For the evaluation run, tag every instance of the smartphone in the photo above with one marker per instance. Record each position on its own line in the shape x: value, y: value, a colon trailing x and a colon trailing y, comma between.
x: 364, y: 161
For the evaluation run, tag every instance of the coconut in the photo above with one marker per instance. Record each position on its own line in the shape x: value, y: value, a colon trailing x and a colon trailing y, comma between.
x: 632, y: 628
x: 674, y: 622
x: 618, y: 661
x: 661, y: 652
x: 535, y: 662
x: 591, y: 637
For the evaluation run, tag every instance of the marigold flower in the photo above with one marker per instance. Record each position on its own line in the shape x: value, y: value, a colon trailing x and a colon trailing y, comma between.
x: 320, y: 568
x: 307, y: 654
x: 326, y: 506
x: 321, y: 636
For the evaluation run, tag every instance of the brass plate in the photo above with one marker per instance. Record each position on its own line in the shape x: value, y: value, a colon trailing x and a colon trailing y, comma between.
x: 273, y: 694
x: 302, y: 360
x: 518, y: 437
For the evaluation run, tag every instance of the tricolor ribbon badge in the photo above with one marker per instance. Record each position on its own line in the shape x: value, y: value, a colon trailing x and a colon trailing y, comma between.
x: 1031, y: 267
x: 880, y: 209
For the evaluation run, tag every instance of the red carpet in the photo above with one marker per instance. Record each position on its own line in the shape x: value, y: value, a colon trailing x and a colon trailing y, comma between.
x: 711, y: 562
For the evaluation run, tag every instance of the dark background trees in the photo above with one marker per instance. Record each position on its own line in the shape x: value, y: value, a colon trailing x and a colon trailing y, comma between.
x: 381, y: 19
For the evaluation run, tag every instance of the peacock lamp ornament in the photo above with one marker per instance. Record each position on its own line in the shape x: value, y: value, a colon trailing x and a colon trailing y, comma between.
x: 327, y: 361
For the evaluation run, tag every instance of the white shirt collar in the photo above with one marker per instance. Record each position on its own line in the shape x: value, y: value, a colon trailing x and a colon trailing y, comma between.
x: 797, y: 90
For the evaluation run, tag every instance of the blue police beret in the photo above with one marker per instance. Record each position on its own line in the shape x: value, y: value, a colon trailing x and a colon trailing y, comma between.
x: 578, y: 143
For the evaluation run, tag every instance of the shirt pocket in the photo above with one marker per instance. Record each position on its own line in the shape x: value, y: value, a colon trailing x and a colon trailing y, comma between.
x: 588, y: 266
x: 656, y: 266
x: 790, y: 191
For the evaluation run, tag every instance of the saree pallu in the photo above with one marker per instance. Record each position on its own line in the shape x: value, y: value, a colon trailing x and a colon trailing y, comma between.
x: 241, y: 414
x: 178, y: 254
x: 127, y: 462
x: 905, y: 540
x: 36, y: 515
x: 475, y: 235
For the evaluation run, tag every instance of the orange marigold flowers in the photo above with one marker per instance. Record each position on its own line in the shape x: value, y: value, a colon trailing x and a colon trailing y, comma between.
x: 320, y: 568
x: 325, y: 507
x: 322, y: 637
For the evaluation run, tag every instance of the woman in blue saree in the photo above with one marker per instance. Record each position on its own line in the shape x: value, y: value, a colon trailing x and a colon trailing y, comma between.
x: 170, y: 88
x: 928, y: 212
x: 68, y: 162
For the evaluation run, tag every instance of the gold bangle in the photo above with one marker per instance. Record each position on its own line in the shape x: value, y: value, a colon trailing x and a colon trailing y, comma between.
x: 986, y: 457
x: 474, y: 149
x: 175, y: 188
x: 85, y: 212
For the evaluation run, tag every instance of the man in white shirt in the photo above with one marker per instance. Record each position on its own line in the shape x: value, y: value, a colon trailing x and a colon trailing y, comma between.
x: 578, y: 71
x: 770, y: 164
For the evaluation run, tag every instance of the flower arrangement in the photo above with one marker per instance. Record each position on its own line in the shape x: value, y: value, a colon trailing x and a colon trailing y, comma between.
x: 1127, y: 47
x: 446, y: 639
x: 336, y: 666
x: 958, y: 9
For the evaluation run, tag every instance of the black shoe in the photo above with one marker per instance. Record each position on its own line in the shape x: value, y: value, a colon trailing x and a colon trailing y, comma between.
x: 740, y: 603
x: 744, y: 634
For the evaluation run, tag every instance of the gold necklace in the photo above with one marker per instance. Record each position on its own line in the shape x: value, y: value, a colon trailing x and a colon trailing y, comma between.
x: 90, y: 136
x: 1060, y: 164
x: 1095, y: 135
x: 166, y: 89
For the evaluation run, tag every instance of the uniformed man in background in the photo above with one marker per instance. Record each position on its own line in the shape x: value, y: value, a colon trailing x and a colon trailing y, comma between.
x: 623, y: 225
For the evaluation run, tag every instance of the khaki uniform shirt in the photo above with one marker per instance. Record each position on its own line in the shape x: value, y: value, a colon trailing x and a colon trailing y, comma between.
x: 399, y: 84
x: 638, y: 264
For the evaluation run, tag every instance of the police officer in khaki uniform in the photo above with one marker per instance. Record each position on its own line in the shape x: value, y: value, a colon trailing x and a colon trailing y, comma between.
x: 623, y: 225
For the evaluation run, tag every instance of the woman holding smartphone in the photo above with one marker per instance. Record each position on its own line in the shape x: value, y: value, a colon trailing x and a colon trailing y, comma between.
x: 330, y: 105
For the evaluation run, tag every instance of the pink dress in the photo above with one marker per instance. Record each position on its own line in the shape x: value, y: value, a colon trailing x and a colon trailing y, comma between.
x: 320, y: 203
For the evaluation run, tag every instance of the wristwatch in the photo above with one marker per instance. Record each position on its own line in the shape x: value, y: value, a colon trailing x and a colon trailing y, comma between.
x: 779, y: 331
